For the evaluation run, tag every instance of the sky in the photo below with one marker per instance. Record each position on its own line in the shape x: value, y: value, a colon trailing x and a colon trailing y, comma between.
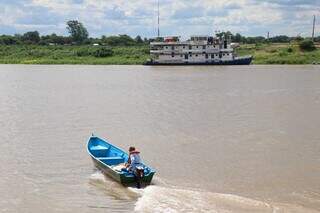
x: 177, y: 17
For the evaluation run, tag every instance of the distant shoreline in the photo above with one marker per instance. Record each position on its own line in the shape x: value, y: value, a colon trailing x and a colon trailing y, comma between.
x: 265, y: 53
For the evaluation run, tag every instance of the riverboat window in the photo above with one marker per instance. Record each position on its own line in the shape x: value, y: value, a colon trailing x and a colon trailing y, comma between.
x: 181, y: 56
x: 196, y: 55
x: 197, y: 47
x: 172, y: 47
x: 172, y: 55
x: 206, y: 55
x: 190, y: 47
x: 204, y: 47
x: 223, y: 54
x: 183, y: 47
x: 212, y: 55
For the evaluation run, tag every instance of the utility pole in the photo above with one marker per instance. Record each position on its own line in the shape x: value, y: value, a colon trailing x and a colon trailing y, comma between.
x: 158, y: 20
x: 313, y: 26
x: 268, y: 35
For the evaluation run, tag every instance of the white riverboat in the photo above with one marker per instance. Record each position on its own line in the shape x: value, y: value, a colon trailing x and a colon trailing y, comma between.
x: 198, y: 50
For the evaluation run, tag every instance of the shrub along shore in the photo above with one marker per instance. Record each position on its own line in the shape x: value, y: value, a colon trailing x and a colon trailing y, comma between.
x: 62, y: 54
x: 265, y: 53
x: 280, y: 53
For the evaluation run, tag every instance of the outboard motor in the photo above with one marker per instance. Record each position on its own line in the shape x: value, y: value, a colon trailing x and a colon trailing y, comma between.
x: 139, y: 174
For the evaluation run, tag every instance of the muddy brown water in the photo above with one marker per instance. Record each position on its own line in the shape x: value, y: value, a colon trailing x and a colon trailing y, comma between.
x: 222, y: 139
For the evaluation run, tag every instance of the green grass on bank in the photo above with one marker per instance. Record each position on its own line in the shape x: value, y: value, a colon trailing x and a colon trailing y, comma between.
x: 33, y: 54
x: 279, y: 54
x: 36, y: 54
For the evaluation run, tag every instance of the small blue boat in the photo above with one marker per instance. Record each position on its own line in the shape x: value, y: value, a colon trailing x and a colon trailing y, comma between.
x: 107, y: 158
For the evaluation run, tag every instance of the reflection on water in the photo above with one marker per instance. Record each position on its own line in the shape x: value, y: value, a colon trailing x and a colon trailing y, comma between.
x: 222, y: 139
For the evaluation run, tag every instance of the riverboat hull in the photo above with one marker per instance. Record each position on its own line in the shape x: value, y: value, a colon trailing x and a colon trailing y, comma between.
x: 237, y: 61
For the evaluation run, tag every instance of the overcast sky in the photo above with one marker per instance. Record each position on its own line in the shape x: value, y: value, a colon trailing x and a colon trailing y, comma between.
x: 177, y: 17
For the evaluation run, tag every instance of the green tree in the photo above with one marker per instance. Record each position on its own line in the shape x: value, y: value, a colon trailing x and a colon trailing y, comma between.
x: 317, y: 39
x: 224, y: 34
x: 280, y: 39
x: 298, y: 38
x: 77, y: 31
x: 307, y: 45
x: 237, y: 38
x: 8, y: 40
x: 120, y: 40
x: 138, y: 39
x: 32, y: 37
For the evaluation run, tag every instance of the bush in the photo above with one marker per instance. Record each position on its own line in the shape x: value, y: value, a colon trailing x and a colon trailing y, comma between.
x: 307, y: 45
x: 271, y: 50
x: 83, y: 52
x: 121, y: 40
x: 283, y: 53
x: 103, y: 52
x: 290, y: 50
x: 258, y: 46
x: 8, y: 40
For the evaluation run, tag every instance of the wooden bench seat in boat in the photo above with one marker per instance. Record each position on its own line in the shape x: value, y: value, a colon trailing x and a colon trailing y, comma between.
x: 99, y: 150
x: 112, y: 160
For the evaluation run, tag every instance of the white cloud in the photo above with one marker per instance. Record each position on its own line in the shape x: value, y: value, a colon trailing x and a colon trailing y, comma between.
x: 105, y: 17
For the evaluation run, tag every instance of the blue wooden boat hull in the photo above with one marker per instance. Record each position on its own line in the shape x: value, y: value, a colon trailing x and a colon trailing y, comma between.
x: 246, y: 60
x: 106, y: 156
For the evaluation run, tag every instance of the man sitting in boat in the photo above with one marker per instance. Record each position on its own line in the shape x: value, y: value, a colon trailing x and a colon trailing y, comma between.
x: 134, y: 159
x: 135, y: 165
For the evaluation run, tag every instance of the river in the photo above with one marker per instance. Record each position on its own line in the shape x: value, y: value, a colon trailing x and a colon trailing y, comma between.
x: 221, y: 138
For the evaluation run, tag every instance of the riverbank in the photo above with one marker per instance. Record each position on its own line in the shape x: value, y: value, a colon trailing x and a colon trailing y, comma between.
x: 60, y: 54
x: 272, y: 53
x: 279, y: 53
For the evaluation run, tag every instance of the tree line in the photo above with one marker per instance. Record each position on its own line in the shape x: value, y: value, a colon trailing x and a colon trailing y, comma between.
x: 79, y: 35
x: 33, y: 37
x: 260, y: 39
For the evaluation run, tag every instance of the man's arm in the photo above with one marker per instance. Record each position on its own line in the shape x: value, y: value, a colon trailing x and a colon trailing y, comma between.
x: 128, y: 162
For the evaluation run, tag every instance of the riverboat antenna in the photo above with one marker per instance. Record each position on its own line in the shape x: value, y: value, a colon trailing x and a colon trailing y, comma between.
x: 313, y: 26
x: 158, y: 20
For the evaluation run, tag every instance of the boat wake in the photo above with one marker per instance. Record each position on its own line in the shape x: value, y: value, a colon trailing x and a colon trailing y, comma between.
x: 169, y: 199
x: 98, y: 176
x: 111, y: 187
x: 162, y: 197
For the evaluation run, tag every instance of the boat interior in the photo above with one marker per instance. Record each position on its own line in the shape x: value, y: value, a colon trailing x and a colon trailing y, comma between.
x: 106, y: 153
